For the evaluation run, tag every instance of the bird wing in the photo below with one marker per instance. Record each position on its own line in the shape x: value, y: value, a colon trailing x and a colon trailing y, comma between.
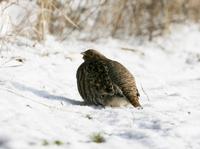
x: 125, y: 81
x: 94, y: 82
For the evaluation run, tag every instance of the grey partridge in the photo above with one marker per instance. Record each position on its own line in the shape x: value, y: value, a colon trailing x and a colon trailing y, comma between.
x: 102, y: 81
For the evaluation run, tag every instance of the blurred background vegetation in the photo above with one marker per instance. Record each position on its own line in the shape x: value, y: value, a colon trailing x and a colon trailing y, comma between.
x: 93, y: 19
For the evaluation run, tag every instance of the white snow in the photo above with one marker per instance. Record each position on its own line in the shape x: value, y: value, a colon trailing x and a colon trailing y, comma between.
x: 40, y: 103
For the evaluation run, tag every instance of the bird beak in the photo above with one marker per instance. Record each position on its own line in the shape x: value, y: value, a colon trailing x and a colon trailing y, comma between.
x: 83, y: 53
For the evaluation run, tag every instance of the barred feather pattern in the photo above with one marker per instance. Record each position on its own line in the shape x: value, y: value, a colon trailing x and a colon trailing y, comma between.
x: 125, y: 80
x: 100, y: 80
x: 94, y: 83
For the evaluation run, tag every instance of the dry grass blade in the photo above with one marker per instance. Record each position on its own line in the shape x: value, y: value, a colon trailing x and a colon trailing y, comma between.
x: 65, y: 16
x: 145, y: 92
x: 133, y: 50
x: 117, y: 18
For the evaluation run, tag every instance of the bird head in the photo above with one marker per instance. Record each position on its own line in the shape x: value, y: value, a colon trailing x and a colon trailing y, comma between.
x: 92, y: 55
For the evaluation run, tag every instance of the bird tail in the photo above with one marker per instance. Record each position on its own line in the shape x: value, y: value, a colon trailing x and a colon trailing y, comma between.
x: 135, y: 102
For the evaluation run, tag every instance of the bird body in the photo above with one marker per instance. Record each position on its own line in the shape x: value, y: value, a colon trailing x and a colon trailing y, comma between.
x: 105, y: 82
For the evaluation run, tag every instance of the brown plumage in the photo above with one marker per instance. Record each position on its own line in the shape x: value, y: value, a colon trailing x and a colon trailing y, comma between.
x: 102, y: 81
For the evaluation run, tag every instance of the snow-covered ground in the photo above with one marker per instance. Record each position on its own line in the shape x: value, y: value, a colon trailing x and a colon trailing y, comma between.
x: 40, y: 106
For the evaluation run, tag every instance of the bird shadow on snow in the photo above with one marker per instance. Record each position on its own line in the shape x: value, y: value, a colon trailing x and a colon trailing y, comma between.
x: 45, y: 94
x: 4, y: 142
